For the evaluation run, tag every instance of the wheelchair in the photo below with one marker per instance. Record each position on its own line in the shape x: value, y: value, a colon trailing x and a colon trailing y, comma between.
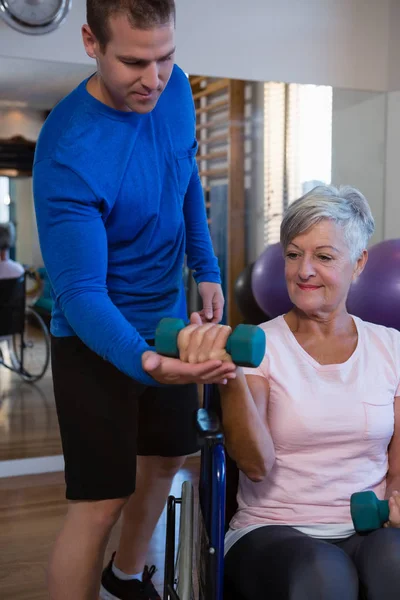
x: 217, y: 504
x: 219, y: 480
x: 24, y: 337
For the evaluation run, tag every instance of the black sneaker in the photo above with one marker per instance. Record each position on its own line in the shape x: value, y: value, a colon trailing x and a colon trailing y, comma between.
x: 113, y: 588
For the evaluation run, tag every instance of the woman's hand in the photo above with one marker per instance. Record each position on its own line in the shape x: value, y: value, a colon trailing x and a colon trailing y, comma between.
x: 394, y: 510
x: 202, y: 356
x: 199, y: 342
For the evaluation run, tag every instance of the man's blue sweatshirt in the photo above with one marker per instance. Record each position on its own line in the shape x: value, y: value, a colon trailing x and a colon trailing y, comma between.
x: 118, y: 203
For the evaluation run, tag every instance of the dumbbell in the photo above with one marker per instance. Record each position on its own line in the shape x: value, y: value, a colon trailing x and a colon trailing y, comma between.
x: 246, y: 344
x: 368, y: 513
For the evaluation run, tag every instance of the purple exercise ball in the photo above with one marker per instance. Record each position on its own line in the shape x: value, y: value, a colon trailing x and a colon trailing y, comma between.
x: 268, y: 282
x: 375, y: 295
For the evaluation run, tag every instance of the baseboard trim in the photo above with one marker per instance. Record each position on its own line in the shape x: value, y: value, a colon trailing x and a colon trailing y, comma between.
x: 31, y: 466
x: 36, y: 466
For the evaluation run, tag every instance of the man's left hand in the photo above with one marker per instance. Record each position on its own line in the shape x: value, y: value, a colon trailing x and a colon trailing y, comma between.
x: 213, y: 302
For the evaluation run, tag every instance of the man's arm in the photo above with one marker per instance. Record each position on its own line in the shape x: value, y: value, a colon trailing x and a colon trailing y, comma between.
x: 75, y: 252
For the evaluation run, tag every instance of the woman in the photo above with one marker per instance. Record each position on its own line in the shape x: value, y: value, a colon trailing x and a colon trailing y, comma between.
x: 316, y: 422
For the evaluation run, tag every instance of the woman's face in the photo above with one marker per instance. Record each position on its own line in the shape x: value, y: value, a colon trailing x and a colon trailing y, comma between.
x: 319, y: 269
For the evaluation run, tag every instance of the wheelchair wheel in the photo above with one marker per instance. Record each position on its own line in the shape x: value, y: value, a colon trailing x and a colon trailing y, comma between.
x: 30, y: 353
x: 184, y: 561
x: 178, y: 578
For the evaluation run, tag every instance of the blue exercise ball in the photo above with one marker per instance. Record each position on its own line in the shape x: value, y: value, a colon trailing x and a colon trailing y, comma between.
x: 269, y: 283
x: 375, y: 295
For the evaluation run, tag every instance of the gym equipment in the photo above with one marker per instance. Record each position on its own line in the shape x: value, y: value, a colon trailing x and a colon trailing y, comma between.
x: 23, y: 331
x: 269, y: 284
x: 375, y: 295
x: 368, y: 513
x: 246, y: 344
x: 245, y: 300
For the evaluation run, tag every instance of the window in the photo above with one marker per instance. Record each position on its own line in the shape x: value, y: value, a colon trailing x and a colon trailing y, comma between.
x: 297, y: 147
x: 4, y: 199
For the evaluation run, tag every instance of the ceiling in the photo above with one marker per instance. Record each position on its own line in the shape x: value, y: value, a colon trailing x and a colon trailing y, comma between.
x: 38, y: 84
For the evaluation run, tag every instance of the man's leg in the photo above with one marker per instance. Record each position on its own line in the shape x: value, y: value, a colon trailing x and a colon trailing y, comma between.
x: 77, y: 558
x: 97, y: 408
x: 154, y: 477
x: 167, y: 433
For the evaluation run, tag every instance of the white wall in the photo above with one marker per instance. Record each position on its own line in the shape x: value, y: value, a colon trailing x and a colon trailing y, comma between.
x: 255, y: 196
x: 359, y: 148
x: 62, y: 45
x: 27, y: 123
x: 392, y: 175
x: 27, y: 247
x: 392, y: 187
x: 344, y: 43
x: 335, y: 42
x: 4, y: 194
x: 394, y: 47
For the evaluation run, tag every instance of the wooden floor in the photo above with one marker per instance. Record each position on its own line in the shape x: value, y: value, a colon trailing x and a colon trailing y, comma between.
x: 28, y: 418
x: 31, y: 513
x: 32, y: 507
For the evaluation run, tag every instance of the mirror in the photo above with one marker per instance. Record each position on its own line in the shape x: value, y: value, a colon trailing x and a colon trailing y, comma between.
x: 28, y: 91
x: 261, y: 145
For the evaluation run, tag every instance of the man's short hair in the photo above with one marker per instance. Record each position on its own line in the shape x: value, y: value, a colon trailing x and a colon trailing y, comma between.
x: 143, y: 14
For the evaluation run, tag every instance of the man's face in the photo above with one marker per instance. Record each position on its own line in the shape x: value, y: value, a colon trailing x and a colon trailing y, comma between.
x: 136, y: 64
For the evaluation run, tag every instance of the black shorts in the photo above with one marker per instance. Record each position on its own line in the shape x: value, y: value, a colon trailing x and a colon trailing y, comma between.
x: 106, y: 419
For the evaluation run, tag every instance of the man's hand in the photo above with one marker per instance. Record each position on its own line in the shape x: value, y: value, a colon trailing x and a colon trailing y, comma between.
x: 172, y: 371
x: 394, y: 508
x: 203, y: 358
x: 213, y: 302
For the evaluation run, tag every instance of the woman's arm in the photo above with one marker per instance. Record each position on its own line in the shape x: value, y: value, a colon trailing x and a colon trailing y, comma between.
x: 244, y: 403
x: 393, y: 476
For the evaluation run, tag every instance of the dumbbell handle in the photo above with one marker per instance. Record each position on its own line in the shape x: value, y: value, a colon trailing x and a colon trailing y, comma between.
x: 246, y: 344
x: 383, y: 509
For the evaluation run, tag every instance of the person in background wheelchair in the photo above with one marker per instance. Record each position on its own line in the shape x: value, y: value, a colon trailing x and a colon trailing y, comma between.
x: 9, y: 269
x: 318, y: 420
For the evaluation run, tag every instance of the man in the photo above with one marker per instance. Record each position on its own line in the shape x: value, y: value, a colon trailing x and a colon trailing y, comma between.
x: 119, y: 202
x: 9, y: 269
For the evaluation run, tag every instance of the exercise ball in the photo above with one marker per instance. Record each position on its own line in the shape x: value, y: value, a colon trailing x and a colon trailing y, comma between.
x: 251, y: 312
x: 375, y: 295
x: 268, y: 282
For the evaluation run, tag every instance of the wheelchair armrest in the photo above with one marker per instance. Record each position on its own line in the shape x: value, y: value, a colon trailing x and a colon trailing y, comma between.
x: 209, y: 425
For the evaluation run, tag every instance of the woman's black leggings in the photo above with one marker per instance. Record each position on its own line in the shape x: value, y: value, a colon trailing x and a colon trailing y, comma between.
x: 280, y: 563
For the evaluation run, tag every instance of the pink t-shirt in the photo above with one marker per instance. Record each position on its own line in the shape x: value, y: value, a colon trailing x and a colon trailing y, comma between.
x: 331, y: 426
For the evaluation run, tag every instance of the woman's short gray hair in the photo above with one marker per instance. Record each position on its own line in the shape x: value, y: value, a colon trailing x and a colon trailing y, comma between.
x: 7, y: 235
x: 345, y: 205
